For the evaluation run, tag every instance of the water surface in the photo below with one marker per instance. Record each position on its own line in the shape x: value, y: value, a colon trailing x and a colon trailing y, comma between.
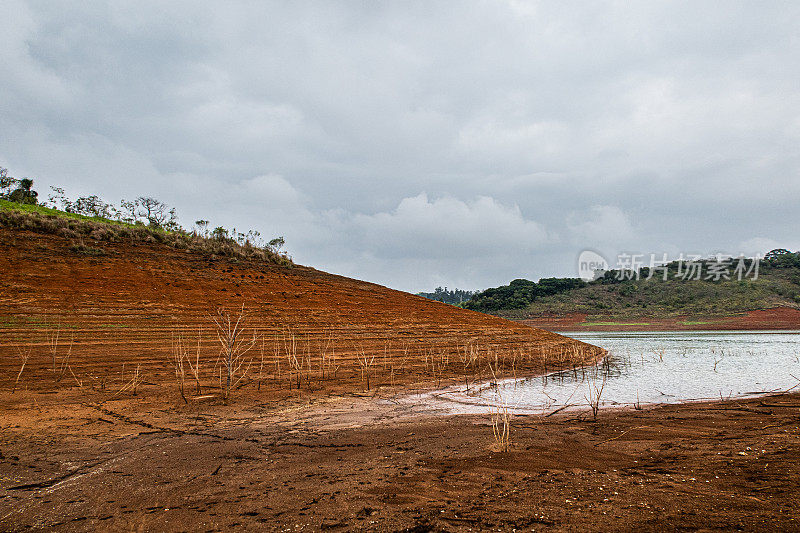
x: 657, y: 367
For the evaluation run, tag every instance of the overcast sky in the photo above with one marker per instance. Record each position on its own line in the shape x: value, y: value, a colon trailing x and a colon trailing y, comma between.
x: 417, y: 144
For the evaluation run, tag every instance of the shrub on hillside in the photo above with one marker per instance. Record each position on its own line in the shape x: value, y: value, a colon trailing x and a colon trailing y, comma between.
x: 17, y: 190
x: 83, y: 249
x: 145, y: 220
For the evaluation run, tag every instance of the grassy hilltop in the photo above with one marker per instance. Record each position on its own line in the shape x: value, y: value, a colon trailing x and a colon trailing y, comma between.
x: 89, y: 222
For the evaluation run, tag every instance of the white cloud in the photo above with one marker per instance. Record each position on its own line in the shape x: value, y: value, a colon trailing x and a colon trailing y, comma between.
x: 425, y: 241
x: 448, y: 228
x: 762, y: 245
x: 648, y: 126
x: 26, y: 80
x: 601, y: 225
x: 274, y: 191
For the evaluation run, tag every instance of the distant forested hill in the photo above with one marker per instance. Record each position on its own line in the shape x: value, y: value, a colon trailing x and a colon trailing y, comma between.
x: 443, y: 294
x: 703, y: 287
x: 520, y: 293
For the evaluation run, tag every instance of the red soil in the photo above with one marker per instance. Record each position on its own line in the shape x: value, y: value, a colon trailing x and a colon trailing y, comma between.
x: 96, y: 457
x: 127, y: 307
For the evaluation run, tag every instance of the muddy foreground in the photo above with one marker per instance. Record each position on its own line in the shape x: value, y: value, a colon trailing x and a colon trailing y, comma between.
x: 347, y: 463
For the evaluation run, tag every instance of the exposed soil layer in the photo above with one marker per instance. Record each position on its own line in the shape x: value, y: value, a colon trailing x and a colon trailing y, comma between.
x: 302, y: 449
x: 778, y: 318
x: 77, y: 463
x: 124, y: 311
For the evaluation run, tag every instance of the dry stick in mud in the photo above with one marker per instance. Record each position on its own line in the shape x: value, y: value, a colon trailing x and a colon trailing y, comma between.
x: 23, y: 356
x: 386, y: 347
x: 333, y: 362
x: 544, y: 359
x: 78, y: 381
x: 501, y: 425
x: 60, y: 364
x: 442, y: 364
x: 595, y: 392
x: 500, y: 415
x: 261, y: 366
x: 388, y: 360
x: 307, y: 359
x: 136, y: 380
x: 102, y: 380
x: 365, y: 362
x: 175, y: 360
x: 295, y: 365
x: 393, y: 368
x: 234, y: 348
x: 132, y: 385
x: 465, y: 362
x: 514, y: 365
x: 405, y: 359
x: 277, y: 353
x: 195, y: 368
x: 430, y: 364
x: 325, y: 344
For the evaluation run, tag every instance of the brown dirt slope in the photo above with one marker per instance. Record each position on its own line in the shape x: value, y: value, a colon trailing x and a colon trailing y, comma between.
x: 127, y: 306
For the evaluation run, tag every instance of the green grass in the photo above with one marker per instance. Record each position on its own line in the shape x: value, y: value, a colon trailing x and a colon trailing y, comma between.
x: 86, y: 232
x: 30, y: 208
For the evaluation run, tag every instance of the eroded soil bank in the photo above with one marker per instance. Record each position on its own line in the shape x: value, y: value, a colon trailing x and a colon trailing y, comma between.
x: 91, y: 322
x: 337, y: 463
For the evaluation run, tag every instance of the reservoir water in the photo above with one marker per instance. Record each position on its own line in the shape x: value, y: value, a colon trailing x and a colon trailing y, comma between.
x: 654, y: 367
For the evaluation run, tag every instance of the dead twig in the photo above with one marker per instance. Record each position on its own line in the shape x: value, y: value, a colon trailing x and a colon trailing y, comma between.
x: 233, y: 347
x: 23, y: 356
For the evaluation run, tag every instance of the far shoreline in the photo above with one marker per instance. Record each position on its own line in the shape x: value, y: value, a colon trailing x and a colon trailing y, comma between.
x: 776, y: 318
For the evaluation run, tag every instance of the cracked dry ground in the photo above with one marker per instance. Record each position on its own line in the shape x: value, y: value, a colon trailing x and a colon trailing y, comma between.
x: 345, y: 463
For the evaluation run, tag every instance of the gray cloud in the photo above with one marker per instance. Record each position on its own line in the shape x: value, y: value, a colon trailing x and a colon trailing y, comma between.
x: 421, y: 143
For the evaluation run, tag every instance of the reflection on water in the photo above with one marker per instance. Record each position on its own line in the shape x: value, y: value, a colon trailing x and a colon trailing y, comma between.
x: 660, y: 367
